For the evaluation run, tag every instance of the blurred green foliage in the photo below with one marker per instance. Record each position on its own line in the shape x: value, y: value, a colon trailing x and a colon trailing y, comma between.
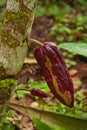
x: 69, y: 20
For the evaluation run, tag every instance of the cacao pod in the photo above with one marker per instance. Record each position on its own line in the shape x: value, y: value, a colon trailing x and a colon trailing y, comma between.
x: 38, y: 93
x: 56, y: 74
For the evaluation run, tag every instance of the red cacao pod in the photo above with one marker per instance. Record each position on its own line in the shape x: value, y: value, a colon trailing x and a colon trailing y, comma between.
x: 38, y: 93
x: 56, y: 74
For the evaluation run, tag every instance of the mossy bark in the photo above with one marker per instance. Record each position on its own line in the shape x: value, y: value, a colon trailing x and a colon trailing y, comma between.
x: 17, y: 26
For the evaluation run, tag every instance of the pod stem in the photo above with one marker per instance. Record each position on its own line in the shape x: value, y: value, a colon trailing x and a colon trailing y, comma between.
x: 36, y: 42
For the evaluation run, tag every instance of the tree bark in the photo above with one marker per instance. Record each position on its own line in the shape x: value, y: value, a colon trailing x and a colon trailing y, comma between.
x: 17, y: 26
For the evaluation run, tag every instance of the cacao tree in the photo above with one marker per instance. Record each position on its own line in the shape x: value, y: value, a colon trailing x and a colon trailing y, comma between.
x: 19, y: 16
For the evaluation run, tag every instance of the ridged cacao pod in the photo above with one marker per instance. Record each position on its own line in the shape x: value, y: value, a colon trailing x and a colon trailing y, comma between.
x: 39, y: 93
x: 56, y: 74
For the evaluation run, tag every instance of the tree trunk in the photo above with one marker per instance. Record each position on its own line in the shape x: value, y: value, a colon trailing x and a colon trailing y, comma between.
x: 17, y: 26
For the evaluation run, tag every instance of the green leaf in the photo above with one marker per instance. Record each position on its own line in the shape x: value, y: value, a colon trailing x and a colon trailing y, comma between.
x: 53, y: 119
x: 40, y: 125
x: 76, y: 49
